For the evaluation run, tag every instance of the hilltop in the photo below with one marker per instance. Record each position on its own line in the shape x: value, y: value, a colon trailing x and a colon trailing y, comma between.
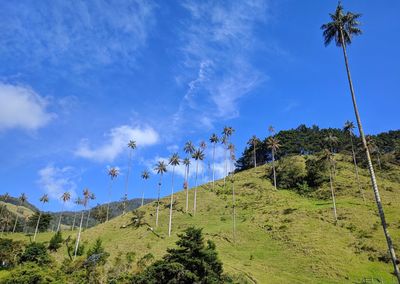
x: 281, y: 236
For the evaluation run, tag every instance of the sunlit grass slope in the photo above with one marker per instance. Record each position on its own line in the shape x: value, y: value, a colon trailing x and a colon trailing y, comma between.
x: 281, y: 237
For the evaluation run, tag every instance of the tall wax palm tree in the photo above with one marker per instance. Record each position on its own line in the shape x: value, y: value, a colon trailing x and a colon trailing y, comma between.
x: 273, y: 145
x: 349, y: 128
x: 203, y: 147
x: 214, y: 140
x: 271, y: 130
x: 44, y: 199
x: 77, y: 201
x: 254, y: 142
x: 113, y: 173
x: 332, y: 141
x: 131, y: 146
x: 226, y: 134
x: 83, y: 202
x: 189, y: 150
x: 186, y: 162
x: 173, y: 161
x: 145, y: 176
x: 22, y: 200
x: 65, y: 197
x: 198, y: 155
x: 161, y: 168
x: 92, y: 196
x: 341, y: 29
x: 328, y: 155
x: 233, y: 159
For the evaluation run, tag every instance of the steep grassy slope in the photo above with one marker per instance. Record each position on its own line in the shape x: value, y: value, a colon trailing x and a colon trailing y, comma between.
x: 281, y: 237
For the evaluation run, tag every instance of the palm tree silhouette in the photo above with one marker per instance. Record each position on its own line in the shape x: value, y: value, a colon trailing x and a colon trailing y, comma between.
x: 226, y: 133
x: 44, y: 199
x: 341, y: 29
x: 173, y: 161
x: 253, y: 142
x: 349, y: 128
x: 186, y: 162
x: 214, y: 140
x: 197, y: 155
x: 328, y: 155
x: 131, y: 146
x: 145, y: 176
x: 65, y: 197
x: 161, y: 168
x: 273, y: 145
x: 22, y: 200
x: 83, y: 202
x: 231, y: 148
x: 91, y: 197
x: 113, y: 173
x: 77, y: 201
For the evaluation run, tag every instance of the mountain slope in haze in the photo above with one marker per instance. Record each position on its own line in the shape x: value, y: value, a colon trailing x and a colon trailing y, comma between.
x: 281, y: 236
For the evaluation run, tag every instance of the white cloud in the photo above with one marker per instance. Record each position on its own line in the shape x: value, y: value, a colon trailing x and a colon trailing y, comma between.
x: 55, y: 181
x: 116, y: 142
x: 22, y: 107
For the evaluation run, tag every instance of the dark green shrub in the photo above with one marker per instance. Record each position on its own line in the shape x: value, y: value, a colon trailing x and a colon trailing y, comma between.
x: 10, y: 252
x: 317, y: 171
x: 55, y: 241
x: 35, y: 252
x: 290, y: 171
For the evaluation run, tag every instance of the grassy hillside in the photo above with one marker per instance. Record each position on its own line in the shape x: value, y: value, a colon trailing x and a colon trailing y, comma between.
x: 281, y: 237
x: 22, y: 211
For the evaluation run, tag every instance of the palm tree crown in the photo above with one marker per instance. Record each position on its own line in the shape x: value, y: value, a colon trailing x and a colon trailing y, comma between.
x: 161, y: 167
x: 343, y: 27
x: 113, y: 172
x: 214, y: 138
x: 253, y: 141
x: 186, y: 162
x: 174, y: 160
x: 273, y: 143
x: 66, y: 196
x: 349, y: 127
x: 23, y: 198
x: 203, y: 145
x: 189, y: 148
x: 132, y: 144
x: 198, y: 155
x: 145, y: 175
x: 44, y: 198
x: 228, y: 131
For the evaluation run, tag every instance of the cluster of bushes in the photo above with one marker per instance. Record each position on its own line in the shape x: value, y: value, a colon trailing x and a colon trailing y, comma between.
x: 193, y: 261
x: 302, y: 173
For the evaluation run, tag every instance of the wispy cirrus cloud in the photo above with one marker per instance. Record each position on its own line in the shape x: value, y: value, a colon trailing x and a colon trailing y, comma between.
x: 65, y: 32
x: 116, y: 142
x: 218, y: 42
x: 21, y: 107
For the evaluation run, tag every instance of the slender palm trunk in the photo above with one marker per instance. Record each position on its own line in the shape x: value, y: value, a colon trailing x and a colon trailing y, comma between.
x: 195, y: 189
x: 172, y: 200
x: 273, y: 167
x: 187, y: 188
x: 73, y: 222
x: 78, y: 239
x: 87, y: 219
x: 371, y: 168
x: 213, y: 166
x: 16, y: 218
x: 226, y: 167
x: 254, y: 155
x: 158, y: 200
x: 234, y: 209
x: 37, y: 224
x: 59, y: 220
x: 332, y: 193
x: 356, y: 169
x: 109, y: 201
x: 142, y: 198
x: 127, y: 180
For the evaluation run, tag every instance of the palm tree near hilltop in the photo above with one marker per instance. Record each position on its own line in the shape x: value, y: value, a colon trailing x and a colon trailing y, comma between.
x: 273, y: 145
x: 214, y: 140
x: 131, y: 146
x: 145, y: 176
x: 173, y: 161
x: 189, y: 150
x: 77, y: 201
x: 198, y: 155
x: 254, y: 141
x: 341, y: 29
x: 113, y: 173
x: 5, y: 197
x: 44, y: 199
x: 91, y: 197
x: 83, y: 202
x: 231, y: 148
x: 349, y: 128
x: 65, y: 198
x: 161, y: 168
x: 186, y: 162
x: 226, y: 134
x: 328, y: 155
x: 22, y: 200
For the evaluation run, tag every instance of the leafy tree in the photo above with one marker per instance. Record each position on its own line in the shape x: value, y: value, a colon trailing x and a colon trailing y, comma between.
x: 10, y: 252
x: 191, y: 262
x: 35, y: 252
x: 44, y: 222
x: 55, y: 241
x: 290, y: 171
x: 342, y: 28
x: 32, y: 273
x: 317, y: 171
x: 97, y: 254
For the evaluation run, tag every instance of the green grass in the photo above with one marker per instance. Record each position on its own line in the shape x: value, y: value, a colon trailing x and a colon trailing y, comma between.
x: 281, y: 237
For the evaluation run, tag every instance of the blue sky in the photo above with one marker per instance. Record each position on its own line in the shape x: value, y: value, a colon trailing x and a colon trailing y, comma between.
x: 78, y: 79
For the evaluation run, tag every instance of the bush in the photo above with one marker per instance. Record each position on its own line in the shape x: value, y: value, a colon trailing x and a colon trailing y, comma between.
x: 290, y: 171
x: 10, y: 252
x: 96, y: 254
x: 55, y: 241
x: 317, y: 171
x: 35, y: 252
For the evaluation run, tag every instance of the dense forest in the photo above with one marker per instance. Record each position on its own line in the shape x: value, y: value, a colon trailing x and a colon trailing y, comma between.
x: 305, y: 140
